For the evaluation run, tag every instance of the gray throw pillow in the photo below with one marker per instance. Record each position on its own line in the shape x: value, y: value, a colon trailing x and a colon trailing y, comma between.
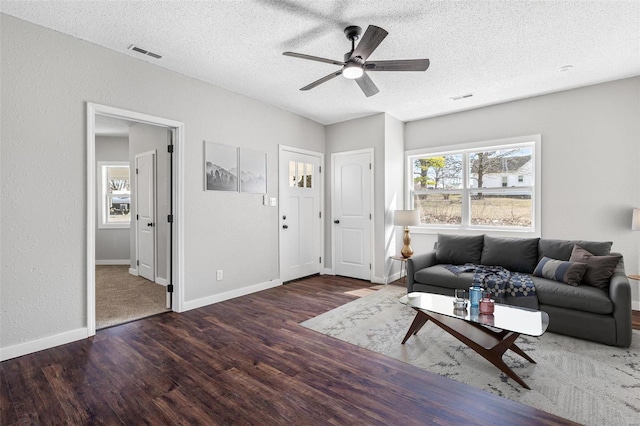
x: 599, y: 268
x: 565, y: 272
x: 561, y: 249
x: 514, y: 254
x: 459, y: 249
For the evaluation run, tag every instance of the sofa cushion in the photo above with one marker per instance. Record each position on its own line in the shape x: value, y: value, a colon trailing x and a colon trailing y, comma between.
x: 459, y: 249
x: 581, y: 298
x: 563, y: 271
x: 599, y: 268
x: 561, y: 249
x: 439, y: 276
x: 514, y: 254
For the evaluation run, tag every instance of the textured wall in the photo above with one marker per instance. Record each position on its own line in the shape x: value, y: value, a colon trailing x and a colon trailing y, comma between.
x: 590, y: 156
x: 47, y: 78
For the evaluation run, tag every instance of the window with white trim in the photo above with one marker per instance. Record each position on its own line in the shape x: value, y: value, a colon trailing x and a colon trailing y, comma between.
x: 482, y: 186
x: 114, y: 194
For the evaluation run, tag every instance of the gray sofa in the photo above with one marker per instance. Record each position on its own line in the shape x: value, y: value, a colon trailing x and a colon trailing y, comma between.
x: 601, y: 314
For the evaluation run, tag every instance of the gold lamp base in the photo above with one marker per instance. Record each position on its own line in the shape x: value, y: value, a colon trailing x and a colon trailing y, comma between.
x: 406, y: 251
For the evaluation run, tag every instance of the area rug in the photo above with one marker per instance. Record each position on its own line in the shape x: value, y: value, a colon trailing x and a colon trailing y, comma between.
x: 586, y: 382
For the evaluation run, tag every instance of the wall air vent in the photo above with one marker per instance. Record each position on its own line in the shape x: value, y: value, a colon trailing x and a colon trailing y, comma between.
x: 457, y: 98
x: 144, y: 52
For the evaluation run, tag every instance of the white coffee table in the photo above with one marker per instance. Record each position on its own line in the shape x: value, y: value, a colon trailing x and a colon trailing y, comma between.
x: 472, y: 328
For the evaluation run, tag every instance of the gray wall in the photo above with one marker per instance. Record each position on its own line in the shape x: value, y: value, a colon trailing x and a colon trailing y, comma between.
x: 47, y: 78
x: 145, y: 138
x: 384, y: 134
x: 590, y: 157
x: 111, y: 244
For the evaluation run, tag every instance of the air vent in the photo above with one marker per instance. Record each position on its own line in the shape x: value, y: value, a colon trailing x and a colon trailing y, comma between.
x: 457, y: 98
x: 144, y: 52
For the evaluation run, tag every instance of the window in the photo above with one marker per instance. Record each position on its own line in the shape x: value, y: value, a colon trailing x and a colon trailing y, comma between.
x: 304, y: 176
x: 483, y: 186
x: 114, y: 192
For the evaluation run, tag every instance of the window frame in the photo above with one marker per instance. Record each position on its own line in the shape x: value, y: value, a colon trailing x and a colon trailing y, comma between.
x: 102, y: 193
x: 535, y: 141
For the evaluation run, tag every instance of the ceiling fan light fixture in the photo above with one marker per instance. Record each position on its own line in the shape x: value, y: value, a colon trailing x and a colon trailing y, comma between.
x: 352, y: 70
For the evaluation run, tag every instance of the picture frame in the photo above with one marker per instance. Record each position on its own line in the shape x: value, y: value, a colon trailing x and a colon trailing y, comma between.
x: 220, y: 167
x: 253, y: 171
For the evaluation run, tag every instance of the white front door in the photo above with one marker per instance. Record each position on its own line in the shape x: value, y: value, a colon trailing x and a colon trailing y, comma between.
x: 352, y: 213
x: 300, y: 214
x: 145, y: 196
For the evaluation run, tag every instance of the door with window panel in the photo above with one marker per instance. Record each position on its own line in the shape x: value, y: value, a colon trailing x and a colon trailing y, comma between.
x: 300, y: 215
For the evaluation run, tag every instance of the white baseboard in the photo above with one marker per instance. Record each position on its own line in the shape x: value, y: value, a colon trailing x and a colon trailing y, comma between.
x: 393, y: 277
x: 209, y: 300
x: 133, y: 272
x: 635, y: 305
x: 327, y: 271
x: 162, y: 281
x: 378, y: 280
x: 113, y: 262
x: 42, y: 344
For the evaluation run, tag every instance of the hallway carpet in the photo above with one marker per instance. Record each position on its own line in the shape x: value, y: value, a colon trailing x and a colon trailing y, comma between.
x: 122, y: 297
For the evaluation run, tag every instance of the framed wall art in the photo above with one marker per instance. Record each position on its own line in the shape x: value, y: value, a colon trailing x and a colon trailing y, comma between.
x: 253, y: 171
x: 220, y: 167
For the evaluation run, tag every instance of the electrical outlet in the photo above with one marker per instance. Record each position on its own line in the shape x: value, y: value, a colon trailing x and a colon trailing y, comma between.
x: 219, y: 275
x: 273, y: 201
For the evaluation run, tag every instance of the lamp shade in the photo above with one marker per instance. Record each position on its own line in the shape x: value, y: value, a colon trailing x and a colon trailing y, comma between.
x: 635, y: 221
x: 406, y: 218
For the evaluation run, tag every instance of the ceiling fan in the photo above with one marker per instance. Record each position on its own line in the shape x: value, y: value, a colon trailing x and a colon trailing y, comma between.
x: 355, y: 64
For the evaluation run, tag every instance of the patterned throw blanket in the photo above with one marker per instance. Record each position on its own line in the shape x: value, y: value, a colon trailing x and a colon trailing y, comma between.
x: 501, y: 283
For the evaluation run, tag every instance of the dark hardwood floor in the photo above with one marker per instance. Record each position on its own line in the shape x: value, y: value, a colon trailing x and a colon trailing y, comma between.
x: 635, y: 320
x: 243, y: 361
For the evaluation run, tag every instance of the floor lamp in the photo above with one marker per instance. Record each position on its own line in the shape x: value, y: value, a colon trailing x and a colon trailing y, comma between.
x: 406, y: 218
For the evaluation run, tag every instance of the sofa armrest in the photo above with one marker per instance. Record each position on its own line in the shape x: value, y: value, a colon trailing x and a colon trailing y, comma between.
x: 620, y: 295
x: 417, y: 262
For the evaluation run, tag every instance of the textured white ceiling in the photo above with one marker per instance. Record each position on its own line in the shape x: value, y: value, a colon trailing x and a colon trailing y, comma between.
x: 497, y: 50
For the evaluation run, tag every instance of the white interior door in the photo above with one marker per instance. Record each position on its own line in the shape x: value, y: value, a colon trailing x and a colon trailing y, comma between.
x: 300, y: 214
x: 145, y: 212
x: 352, y: 214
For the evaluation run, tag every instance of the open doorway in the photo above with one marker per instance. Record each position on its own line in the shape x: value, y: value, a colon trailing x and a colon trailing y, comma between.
x: 133, y: 216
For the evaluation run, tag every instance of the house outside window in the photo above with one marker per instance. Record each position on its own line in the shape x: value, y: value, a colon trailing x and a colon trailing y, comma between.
x: 114, y: 195
x: 488, y: 186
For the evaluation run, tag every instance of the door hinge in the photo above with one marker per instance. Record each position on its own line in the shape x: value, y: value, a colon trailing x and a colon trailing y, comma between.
x: 137, y: 262
x: 136, y: 170
x: 369, y: 216
x: 369, y: 166
x: 137, y: 217
x: 319, y: 215
x: 170, y: 218
x: 369, y: 266
x: 170, y: 288
x: 320, y: 261
x: 170, y: 149
x: 320, y: 169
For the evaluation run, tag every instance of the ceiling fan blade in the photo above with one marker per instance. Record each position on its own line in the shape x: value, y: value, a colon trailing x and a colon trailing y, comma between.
x: 313, y: 58
x: 322, y: 80
x: 369, y: 42
x: 367, y: 85
x: 398, y: 65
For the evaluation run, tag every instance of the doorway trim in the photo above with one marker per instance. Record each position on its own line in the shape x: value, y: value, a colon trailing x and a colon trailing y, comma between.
x: 177, y: 264
x: 320, y: 155
x: 370, y: 151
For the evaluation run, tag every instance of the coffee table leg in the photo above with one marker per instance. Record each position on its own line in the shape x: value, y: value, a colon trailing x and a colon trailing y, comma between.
x: 419, y: 321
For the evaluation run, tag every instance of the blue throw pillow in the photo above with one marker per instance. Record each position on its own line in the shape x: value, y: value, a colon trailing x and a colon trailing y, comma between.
x: 565, y: 272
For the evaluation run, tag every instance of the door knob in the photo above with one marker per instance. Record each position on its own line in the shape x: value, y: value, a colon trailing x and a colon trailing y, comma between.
x: 336, y: 221
x: 284, y: 217
x: 285, y: 226
x: 150, y: 224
